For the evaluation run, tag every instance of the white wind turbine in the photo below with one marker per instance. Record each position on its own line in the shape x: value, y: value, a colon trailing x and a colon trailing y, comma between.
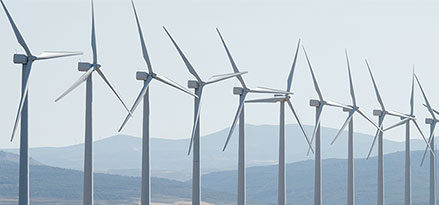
x: 242, y: 92
x: 282, y: 99
x: 349, y: 120
x: 89, y: 68
x: 432, y: 121
x: 406, y: 121
x: 319, y: 104
x: 147, y: 77
x: 26, y: 61
x: 379, y: 134
x: 198, y: 85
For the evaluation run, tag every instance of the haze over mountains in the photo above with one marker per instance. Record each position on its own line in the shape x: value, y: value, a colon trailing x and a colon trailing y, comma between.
x: 51, y: 185
x: 121, y: 154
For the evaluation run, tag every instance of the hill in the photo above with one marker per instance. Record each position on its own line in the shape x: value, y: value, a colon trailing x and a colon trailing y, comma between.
x: 121, y: 154
x: 262, y: 181
x: 51, y: 185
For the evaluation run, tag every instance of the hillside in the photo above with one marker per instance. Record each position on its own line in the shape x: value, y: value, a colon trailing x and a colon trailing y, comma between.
x: 262, y: 181
x: 121, y: 154
x: 51, y: 185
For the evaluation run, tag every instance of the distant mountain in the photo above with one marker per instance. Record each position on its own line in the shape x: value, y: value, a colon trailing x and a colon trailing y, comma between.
x: 121, y: 154
x: 51, y: 185
x: 262, y: 181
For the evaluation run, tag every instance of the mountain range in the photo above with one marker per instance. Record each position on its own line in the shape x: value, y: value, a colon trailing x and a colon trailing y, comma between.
x: 51, y: 185
x: 121, y: 154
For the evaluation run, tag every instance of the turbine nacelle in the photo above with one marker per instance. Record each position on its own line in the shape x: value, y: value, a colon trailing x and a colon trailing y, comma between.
x: 20, y: 59
x: 193, y: 84
x: 378, y: 112
x: 238, y: 91
x: 430, y: 121
x: 142, y: 75
x: 84, y: 66
x: 314, y: 103
x: 345, y: 109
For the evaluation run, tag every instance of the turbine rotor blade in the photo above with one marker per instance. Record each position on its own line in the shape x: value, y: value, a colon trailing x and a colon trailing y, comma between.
x: 107, y: 81
x: 316, y: 85
x: 290, y: 76
x: 56, y: 54
x: 77, y: 83
x: 185, y: 60
x: 197, y: 118
x: 316, y: 126
x: 137, y: 102
x: 217, y: 78
x: 397, y: 124
x: 351, y: 84
x: 269, y: 90
x: 93, y: 35
x: 17, y: 33
x: 398, y: 114
x: 266, y: 100
x: 429, y: 141
x: 377, y: 93
x: 412, y: 100
x: 336, y: 104
x: 348, y: 119
x: 23, y: 97
x: 430, y: 109
x: 235, y: 120
x: 142, y: 41
x: 300, y: 124
x: 368, y: 119
x: 235, y: 68
x: 171, y: 83
x: 376, y: 136
x: 423, y: 136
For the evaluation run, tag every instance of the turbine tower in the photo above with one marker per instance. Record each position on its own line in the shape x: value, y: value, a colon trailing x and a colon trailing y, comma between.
x: 406, y: 121
x: 198, y: 85
x: 280, y: 96
x: 89, y: 68
x: 350, y: 120
x: 381, y: 113
x: 26, y: 60
x: 319, y: 105
x: 432, y: 122
x: 147, y: 77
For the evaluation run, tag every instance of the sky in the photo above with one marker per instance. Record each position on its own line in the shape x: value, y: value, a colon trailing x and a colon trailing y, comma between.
x: 262, y: 36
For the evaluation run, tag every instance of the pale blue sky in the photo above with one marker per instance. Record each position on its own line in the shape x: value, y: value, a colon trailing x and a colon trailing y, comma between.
x: 261, y: 35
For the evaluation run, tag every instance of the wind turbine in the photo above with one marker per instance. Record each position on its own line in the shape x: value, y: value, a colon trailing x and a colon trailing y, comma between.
x: 89, y: 68
x: 381, y: 113
x: 349, y: 120
x: 406, y: 121
x: 147, y: 77
x: 198, y: 85
x: 319, y: 105
x: 26, y: 61
x: 282, y: 97
x: 432, y: 122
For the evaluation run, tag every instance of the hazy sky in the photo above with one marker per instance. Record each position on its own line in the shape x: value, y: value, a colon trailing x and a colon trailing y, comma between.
x: 262, y: 36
